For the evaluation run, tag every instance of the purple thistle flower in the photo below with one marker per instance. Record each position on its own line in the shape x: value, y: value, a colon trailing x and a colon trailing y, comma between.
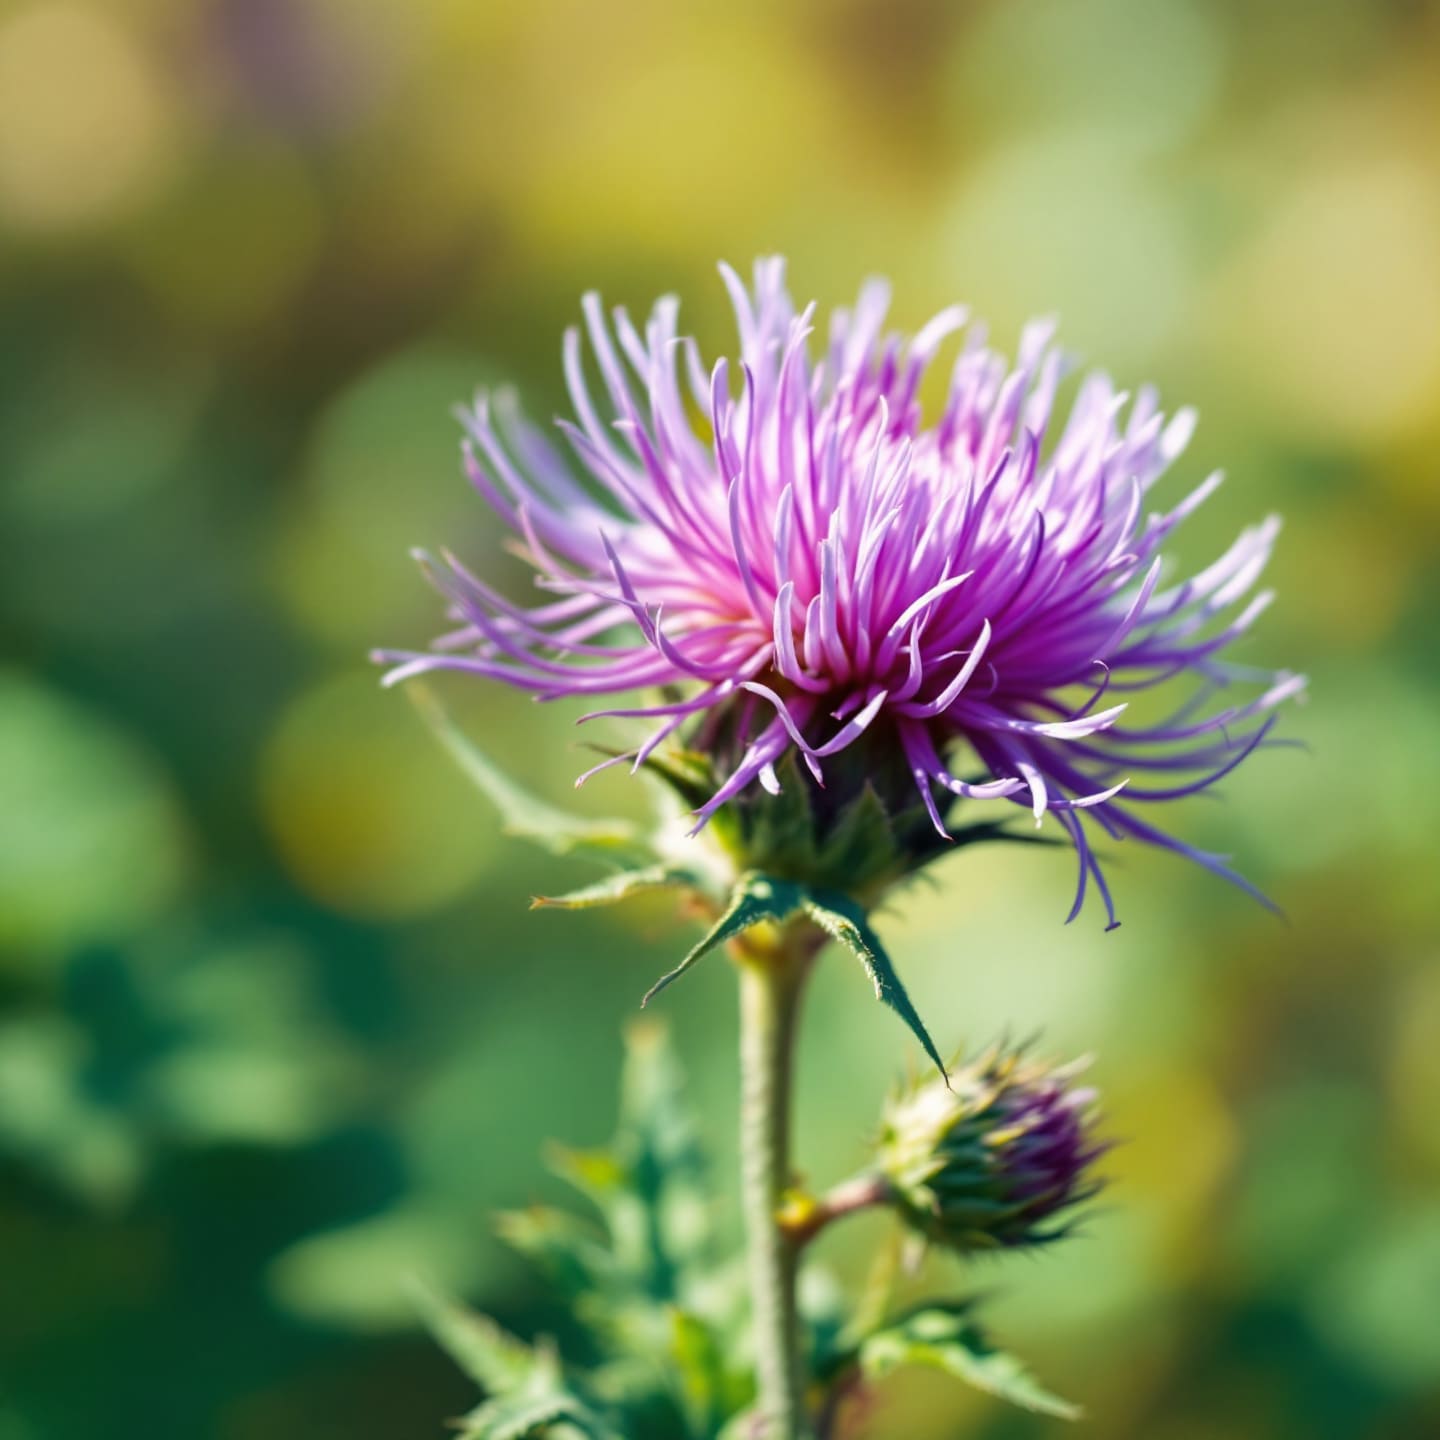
x: 818, y: 565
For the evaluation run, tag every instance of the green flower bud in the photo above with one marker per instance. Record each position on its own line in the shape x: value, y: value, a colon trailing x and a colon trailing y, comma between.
x: 994, y: 1161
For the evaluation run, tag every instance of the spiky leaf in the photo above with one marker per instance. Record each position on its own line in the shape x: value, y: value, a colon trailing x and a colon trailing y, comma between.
x: 650, y: 1185
x: 756, y: 898
x: 947, y: 1338
x: 620, y: 886
x: 492, y: 1357
x: 843, y: 920
x: 566, y: 1247
x: 558, y: 1416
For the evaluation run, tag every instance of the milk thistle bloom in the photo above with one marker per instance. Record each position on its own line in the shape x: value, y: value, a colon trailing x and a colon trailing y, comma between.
x: 955, y: 610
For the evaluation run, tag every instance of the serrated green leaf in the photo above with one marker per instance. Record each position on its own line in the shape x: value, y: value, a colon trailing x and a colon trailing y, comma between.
x: 615, y: 842
x: 562, y: 1244
x: 644, y: 1288
x: 653, y: 1109
x: 947, y: 1339
x: 542, y: 1404
x: 492, y: 1357
x: 755, y: 898
x: 526, y: 1417
x: 621, y: 886
x: 700, y: 1371
x: 650, y: 1183
x: 843, y: 920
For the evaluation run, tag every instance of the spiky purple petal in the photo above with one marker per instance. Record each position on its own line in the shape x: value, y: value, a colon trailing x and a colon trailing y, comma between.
x: 812, y: 543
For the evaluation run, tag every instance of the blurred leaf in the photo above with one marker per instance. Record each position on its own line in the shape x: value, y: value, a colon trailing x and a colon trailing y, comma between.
x: 650, y: 1183
x: 489, y: 1355
x: 359, y: 1276
x: 50, y: 1120
x: 1375, y: 1301
x: 615, y: 842
x: 946, y: 1338
x: 619, y: 887
x: 538, y: 1403
x: 660, y: 1309
x: 700, y: 1371
x: 92, y: 844
x: 569, y: 1250
x: 519, y: 1416
x: 528, y: 1391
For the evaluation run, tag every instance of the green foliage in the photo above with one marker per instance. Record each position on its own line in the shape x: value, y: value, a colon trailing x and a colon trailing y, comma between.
x: 804, y: 859
x: 536, y: 1398
x: 862, y: 833
x: 196, y: 1038
x: 663, y: 1312
x: 843, y: 920
x: 947, y: 1338
x: 493, y: 1359
x: 621, y: 886
x: 613, y: 842
x: 759, y: 899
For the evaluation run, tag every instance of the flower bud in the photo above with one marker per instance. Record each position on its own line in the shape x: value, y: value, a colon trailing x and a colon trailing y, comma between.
x: 994, y: 1161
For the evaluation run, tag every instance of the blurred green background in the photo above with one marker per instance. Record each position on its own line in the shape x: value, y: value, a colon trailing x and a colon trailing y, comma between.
x: 275, y: 1026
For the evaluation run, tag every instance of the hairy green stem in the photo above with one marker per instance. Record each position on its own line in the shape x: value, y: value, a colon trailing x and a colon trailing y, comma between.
x: 770, y: 985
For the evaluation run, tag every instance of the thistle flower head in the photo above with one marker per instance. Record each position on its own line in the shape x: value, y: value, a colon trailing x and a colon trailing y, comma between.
x: 994, y: 1159
x: 779, y: 563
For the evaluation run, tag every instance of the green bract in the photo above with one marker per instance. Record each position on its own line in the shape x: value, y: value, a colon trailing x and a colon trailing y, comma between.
x: 995, y: 1158
x: 807, y: 857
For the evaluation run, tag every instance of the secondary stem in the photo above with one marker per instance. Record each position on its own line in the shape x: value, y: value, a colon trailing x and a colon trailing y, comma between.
x: 770, y: 986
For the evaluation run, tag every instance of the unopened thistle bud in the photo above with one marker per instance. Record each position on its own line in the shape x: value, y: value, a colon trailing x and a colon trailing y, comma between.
x: 996, y: 1160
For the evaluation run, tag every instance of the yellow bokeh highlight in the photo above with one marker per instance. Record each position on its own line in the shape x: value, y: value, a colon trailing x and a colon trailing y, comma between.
x: 1184, y: 1147
x: 366, y: 811
x: 233, y: 246
x: 86, y: 124
x: 1334, y: 311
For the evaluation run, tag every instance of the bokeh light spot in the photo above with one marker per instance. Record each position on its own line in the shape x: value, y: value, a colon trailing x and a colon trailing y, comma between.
x: 91, y: 840
x: 230, y: 248
x: 369, y: 815
x: 382, y: 473
x: 1065, y: 222
x: 362, y: 1276
x: 1334, y: 311
x: 86, y: 131
x: 1146, y: 70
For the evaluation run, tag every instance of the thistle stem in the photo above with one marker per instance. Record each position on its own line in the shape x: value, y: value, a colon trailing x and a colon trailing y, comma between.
x: 805, y: 1216
x: 771, y: 981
